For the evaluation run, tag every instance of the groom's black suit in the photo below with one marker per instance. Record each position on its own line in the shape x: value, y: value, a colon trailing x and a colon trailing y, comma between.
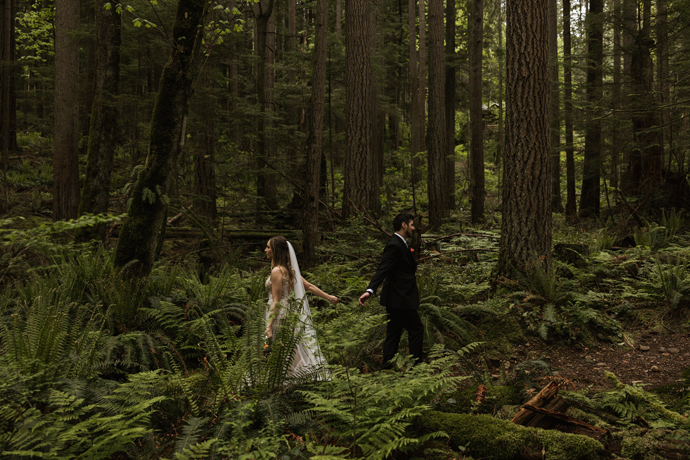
x: 400, y: 296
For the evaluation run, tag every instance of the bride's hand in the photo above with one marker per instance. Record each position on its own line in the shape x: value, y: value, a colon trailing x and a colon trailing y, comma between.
x: 269, y: 332
x: 333, y: 299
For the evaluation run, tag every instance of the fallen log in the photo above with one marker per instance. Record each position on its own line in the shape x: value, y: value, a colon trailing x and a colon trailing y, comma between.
x: 489, y: 437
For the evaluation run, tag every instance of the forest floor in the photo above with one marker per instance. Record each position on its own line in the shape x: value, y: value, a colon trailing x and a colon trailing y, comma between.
x: 658, y: 358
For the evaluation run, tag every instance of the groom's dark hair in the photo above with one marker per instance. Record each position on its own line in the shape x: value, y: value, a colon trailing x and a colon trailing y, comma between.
x: 401, y: 219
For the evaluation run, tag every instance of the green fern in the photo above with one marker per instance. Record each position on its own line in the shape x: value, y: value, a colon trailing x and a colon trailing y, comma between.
x: 372, y: 412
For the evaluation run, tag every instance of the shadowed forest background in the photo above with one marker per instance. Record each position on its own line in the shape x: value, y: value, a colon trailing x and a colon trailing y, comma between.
x: 150, y: 149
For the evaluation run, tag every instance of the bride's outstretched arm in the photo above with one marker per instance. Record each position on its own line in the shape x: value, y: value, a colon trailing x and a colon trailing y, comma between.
x: 318, y: 292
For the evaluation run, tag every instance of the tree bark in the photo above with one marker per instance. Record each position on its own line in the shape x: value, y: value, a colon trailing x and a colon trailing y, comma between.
x: 451, y: 103
x: 663, y: 83
x: 205, y: 195
x: 358, y: 110
x: 555, y: 110
x: 501, y: 61
x: 526, y: 220
x: 628, y: 32
x: 95, y: 193
x: 476, y: 49
x: 421, y: 92
x: 265, y: 51
x: 438, y: 200
x: 416, y: 121
x: 590, y: 201
x: 378, y: 126
x: 139, y: 238
x: 571, y: 199
x: 645, y: 159
x: 315, y: 139
x: 66, y: 115
x: 8, y: 100
x: 616, y: 95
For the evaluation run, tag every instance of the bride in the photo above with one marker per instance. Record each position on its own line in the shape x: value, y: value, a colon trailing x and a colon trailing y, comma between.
x: 286, y: 278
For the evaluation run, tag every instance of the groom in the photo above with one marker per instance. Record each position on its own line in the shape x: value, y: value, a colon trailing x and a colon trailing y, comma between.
x: 399, y: 295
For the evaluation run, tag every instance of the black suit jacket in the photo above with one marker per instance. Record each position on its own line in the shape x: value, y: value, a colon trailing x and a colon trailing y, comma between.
x: 397, y: 272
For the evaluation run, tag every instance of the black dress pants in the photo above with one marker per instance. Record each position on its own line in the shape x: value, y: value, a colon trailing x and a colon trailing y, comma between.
x: 398, y: 320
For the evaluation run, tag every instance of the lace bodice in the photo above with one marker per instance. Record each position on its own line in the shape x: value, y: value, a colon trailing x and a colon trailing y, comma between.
x: 285, y: 292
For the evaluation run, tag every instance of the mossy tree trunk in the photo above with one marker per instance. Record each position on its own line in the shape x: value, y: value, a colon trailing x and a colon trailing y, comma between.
x: 139, y: 238
x: 95, y: 193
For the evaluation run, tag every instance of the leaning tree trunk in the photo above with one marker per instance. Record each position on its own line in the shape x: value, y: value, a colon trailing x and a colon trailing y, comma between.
x: 66, y: 115
x: 315, y: 139
x: 526, y: 221
x: 95, y: 193
x: 476, y: 38
x: 437, y: 119
x: 590, y: 201
x: 140, y: 235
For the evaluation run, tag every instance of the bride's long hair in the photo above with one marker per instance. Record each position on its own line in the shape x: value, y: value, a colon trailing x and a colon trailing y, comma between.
x: 280, y: 257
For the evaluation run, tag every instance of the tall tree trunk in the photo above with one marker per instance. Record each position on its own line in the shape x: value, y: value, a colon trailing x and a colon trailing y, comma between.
x: 526, y: 221
x: 358, y: 110
x: 628, y: 32
x: 616, y: 95
x: 451, y: 65
x: 8, y: 100
x: 338, y: 19
x: 416, y: 121
x: 66, y: 116
x: 421, y: 93
x: 315, y: 139
x: 438, y: 200
x: 501, y: 60
x: 591, y: 175
x: 555, y: 109
x: 95, y: 193
x: 87, y: 89
x: 141, y: 232
x: 233, y: 74
x: 378, y: 126
x: 265, y: 50
x: 476, y: 49
x: 645, y: 160
x: 571, y: 200
x: 663, y: 84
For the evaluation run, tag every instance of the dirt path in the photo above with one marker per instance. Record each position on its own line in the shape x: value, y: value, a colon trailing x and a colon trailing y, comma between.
x: 658, y: 359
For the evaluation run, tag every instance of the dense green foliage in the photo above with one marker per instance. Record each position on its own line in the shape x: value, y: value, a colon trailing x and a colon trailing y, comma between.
x: 191, y: 379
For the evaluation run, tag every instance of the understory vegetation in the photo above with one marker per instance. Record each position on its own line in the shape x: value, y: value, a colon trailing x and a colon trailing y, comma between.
x: 176, y: 368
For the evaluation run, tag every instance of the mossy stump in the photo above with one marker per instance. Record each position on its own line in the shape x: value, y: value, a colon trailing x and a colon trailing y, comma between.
x: 491, y: 438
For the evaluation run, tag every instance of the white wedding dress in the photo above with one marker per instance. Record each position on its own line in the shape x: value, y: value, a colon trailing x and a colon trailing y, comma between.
x: 308, y: 357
